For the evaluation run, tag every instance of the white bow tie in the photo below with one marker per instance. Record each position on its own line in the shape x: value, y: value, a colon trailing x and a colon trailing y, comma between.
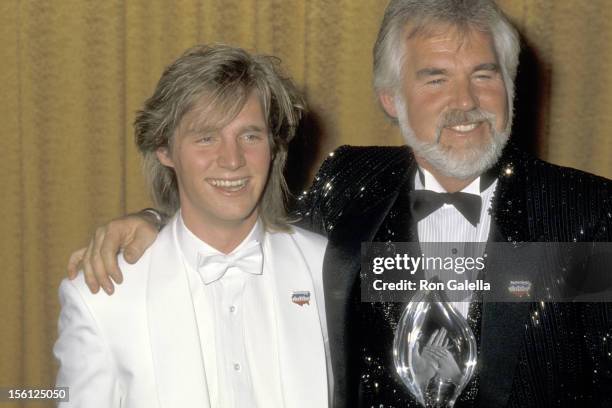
x: 212, y: 267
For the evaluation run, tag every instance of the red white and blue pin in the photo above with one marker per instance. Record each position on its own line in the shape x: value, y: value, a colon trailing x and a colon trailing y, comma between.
x: 301, y: 297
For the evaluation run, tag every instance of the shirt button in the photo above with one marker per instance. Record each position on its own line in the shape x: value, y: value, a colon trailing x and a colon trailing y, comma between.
x: 237, y: 367
x: 232, y: 309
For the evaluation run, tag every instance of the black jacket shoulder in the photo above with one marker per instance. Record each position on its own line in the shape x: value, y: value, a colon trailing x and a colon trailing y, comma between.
x: 541, y: 201
x: 352, y: 177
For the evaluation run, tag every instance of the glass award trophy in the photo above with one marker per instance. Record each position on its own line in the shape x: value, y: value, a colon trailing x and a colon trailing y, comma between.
x: 434, y: 350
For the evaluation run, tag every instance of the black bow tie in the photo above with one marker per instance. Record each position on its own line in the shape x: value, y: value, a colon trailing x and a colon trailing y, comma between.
x: 424, y: 202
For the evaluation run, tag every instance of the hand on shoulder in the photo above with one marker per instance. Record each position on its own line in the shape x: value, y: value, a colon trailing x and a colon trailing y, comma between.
x: 132, y: 234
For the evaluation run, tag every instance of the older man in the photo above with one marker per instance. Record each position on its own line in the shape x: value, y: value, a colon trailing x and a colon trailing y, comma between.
x: 444, y: 70
x: 224, y: 307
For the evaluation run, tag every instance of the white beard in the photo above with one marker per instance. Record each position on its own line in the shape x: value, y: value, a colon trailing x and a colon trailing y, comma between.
x: 469, y: 163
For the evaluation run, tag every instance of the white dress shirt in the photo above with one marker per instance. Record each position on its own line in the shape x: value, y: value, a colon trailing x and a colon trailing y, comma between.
x: 447, y: 224
x: 235, y: 318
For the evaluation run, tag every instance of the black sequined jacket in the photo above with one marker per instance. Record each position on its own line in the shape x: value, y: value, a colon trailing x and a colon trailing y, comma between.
x: 561, y: 358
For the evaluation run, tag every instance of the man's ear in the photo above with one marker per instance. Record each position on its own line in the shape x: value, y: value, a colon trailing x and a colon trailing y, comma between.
x: 387, y: 101
x: 164, y: 157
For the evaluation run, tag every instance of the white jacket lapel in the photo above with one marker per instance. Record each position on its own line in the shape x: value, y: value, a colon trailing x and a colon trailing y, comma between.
x: 175, y: 345
x: 300, y: 339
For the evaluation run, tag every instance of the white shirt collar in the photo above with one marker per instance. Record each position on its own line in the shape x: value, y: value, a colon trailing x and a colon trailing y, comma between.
x: 432, y: 184
x: 191, y: 245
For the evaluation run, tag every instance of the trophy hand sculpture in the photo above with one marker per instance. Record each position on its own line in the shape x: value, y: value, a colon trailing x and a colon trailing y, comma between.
x: 437, y: 352
x: 436, y: 372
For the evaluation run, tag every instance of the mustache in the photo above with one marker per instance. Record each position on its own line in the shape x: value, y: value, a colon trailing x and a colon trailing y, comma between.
x: 456, y: 117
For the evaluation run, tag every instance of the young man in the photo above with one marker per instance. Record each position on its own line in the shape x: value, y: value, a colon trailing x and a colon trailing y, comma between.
x: 227, y: 306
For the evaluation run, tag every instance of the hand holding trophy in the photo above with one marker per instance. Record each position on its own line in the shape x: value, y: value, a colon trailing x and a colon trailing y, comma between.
x: 434, y: 350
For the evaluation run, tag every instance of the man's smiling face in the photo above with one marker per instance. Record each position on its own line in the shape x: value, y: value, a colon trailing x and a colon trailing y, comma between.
x: 452, y: 98
x: 221, y: 172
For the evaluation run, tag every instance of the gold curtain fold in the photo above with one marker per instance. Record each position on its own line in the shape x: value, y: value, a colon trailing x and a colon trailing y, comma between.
x: 74, y: 72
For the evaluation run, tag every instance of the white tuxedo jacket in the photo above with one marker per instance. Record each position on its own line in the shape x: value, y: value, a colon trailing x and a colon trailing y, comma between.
x: 140, y: 347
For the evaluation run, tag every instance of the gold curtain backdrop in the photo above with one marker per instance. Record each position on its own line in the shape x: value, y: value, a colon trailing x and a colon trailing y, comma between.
x: 74, y: 72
